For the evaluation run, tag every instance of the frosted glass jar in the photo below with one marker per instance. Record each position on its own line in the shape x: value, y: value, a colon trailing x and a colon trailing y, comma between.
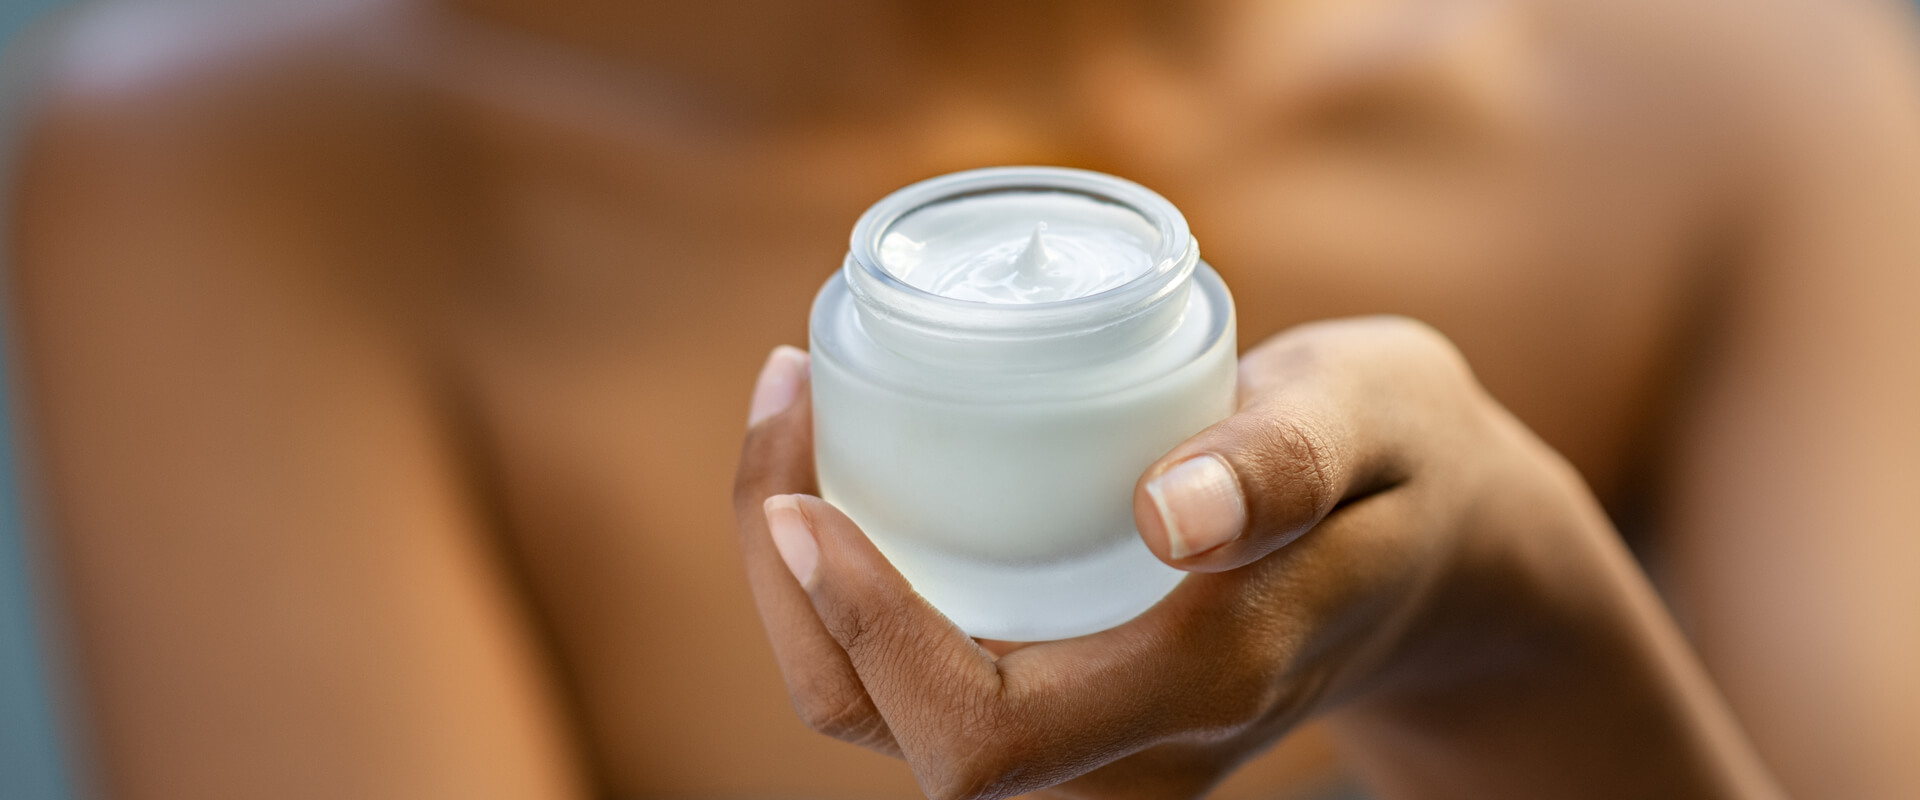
x: 990, y: 449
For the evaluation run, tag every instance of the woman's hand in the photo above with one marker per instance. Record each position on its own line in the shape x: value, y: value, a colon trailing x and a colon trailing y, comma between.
x: 1372, y: 536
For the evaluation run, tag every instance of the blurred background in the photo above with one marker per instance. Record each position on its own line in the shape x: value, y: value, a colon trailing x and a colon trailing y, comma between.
x: 32, y: 756
x: 390, y: 355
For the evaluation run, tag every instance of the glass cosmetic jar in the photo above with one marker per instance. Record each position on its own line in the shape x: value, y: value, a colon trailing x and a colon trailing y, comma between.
x: 1003, y: 353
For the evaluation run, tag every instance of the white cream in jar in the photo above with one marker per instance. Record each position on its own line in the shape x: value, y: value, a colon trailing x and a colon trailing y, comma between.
x: 1003, y: 353
x: 1019, y: 247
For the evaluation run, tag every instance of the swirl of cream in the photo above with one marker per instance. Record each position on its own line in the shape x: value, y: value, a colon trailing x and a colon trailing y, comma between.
x: 1019, y: 247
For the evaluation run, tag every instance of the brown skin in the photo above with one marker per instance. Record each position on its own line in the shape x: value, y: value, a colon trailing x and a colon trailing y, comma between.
x: 385, y: 370
x: 1415, y: 563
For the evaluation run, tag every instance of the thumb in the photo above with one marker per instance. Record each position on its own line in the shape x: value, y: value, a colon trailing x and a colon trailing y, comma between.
x: 1254, y: 482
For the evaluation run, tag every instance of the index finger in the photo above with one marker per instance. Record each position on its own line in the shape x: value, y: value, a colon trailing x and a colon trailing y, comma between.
x: 777, y: 459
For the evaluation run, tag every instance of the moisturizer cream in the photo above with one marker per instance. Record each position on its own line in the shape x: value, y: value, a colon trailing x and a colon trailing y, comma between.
x: 1003, y: 353
x: 989, y: 249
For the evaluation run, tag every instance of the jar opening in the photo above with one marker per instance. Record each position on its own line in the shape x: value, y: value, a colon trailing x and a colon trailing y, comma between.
x: 1019, y: 247
x: 1165, y: 247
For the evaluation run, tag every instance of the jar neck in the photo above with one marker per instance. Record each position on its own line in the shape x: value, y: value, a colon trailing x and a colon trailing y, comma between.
x: 1022, y: 337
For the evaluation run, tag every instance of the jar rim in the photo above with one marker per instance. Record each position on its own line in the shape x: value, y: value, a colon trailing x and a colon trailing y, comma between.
x: 1173, y: 258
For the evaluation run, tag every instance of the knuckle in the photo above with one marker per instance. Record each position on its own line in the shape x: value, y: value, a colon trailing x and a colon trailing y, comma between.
x: 1297, y: 450
x: 877, y: 632
x: 973, y: 755
x: 1250, y: 694
x: 1407, y: 328
x: 1449, y: 395
x: 840, y: 714
x: 978, y: 775
x: 861, y: 627
x: 959, y: 790
x: 1426, y: 347
x: 1247, y: 685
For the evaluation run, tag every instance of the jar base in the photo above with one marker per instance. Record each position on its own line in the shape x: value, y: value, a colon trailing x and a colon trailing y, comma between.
x: 1036, y: 602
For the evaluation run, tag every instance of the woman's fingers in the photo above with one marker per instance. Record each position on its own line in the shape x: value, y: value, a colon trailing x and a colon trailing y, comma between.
x: 1327, y: 415
x: 936, y: 689
x: 777, y: 460
x: 972, y: 726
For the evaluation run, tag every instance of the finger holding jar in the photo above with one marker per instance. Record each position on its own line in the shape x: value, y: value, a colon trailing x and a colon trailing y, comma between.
x: 1369, y: 537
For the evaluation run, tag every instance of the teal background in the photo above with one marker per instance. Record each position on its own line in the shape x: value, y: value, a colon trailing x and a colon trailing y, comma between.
x: 32, y: 758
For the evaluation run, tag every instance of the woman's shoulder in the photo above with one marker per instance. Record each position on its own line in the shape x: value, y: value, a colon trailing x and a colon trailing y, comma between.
x: 193, y: 56
x: 302, y: 94
x: 292, y: 128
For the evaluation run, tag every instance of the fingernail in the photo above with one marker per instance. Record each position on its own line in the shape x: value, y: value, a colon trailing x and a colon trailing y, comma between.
x: 792, y: 536
x: 1200, y: 504
x: 778, y: 383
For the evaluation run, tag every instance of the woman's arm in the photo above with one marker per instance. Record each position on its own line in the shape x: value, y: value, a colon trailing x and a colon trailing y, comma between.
x: 278, y: 585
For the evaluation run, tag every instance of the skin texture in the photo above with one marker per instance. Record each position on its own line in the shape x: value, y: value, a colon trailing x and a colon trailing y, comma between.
x: 384, y: 365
